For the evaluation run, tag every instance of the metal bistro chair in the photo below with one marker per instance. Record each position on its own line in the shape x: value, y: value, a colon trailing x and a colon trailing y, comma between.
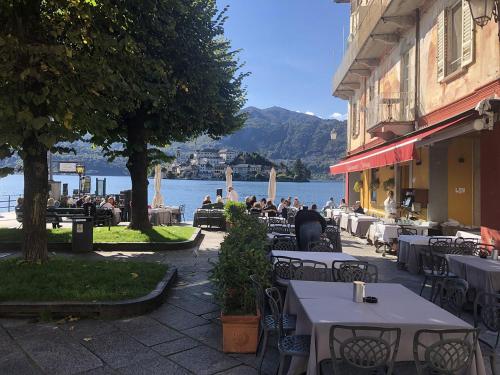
x: 309, y: 270
x: 284, y: 243
x: 281, y: 268
x: 453, y: 294
x: 361, y: 350
x: 347, y: 271
x: 434, y: 263
x: 483, y: 249
x: 323, y: 245
x: 267, y: 322
x: 447, y: 351
x: 487, y: 313
x: 333, y: 234
x: 279, y: 228
x: 291, y: 216
x: 288, y: 345
x: 464, y: 246
x: 275, y: 220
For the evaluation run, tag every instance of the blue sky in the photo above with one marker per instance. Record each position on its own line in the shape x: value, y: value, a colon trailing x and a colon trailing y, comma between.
x: 292, y: 48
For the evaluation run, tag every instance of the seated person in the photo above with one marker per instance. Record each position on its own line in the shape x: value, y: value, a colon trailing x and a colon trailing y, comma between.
x: 88, y: 207
x: 284, y: 209
x: 19, y: 205
x: 256, y: 209
x: 342, y: 203
x: 219, y: 203
x: 206, y: 201
x: 314, y: 207
x: 296, y: 203
x: 270, y: 208
x: 329, y: 204
x: 52, y: 208
x: 309, y: 225
x: 357, y: 208
x: 110, y: 205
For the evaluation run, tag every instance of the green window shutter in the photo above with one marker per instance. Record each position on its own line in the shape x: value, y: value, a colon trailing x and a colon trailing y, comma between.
x: 441, y: 46
x: 467, y: 35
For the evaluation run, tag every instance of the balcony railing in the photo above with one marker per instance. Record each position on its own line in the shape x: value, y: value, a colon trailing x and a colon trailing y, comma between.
x: 390, y: 108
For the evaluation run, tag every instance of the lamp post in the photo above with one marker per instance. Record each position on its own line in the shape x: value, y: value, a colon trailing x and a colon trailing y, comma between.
x: 485, y: 10
x: 80, y: 169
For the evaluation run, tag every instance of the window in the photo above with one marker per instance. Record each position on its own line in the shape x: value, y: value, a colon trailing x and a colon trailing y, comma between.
x: 455, y: 45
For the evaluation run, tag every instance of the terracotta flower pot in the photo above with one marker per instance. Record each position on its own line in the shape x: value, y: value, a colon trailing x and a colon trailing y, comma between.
x: 240, y: 333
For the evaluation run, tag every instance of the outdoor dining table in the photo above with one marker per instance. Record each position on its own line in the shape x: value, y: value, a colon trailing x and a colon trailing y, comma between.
x: 324, y: 257
x: 345, y: 221
x: 361, y: 223
x: 319, y: 305
x: 160, y: 216
x: 481, y: 274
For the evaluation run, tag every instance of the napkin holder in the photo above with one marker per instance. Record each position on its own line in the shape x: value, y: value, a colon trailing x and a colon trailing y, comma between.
x: 358, y: 291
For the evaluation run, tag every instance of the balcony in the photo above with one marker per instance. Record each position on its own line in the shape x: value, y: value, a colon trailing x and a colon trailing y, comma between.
x: 390, y: 115
x: 377, y: 29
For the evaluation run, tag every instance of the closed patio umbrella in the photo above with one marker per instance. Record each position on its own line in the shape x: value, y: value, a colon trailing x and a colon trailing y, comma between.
x: 271, y: 188
x: 157, y: 198
x: 229, y: 177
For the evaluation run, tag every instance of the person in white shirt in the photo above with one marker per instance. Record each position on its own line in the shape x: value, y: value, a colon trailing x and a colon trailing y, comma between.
x: 390, y: 205
x: 281, y: 205
x: 329, y: 204
x: 232, y: 195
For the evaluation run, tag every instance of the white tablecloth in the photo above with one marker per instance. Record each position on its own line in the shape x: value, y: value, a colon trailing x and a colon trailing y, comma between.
x: 465, y: 234
x: 481, y: 274
x: 361, y: 223
x: 324, y: 257
x: 160, y: 216
x: 319, y: 305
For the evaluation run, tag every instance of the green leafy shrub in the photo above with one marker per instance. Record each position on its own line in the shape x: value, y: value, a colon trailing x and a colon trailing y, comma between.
x: 234, y: 211
x: 243, y: 253
x: 389, y: 184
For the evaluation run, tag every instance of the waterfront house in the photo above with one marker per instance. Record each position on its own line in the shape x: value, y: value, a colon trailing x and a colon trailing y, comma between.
x: 413, y: 74
x: 228, y: 155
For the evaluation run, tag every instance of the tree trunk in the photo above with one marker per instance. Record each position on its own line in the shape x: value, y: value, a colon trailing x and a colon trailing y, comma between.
x: 137, y: 165
x: 35, y: 201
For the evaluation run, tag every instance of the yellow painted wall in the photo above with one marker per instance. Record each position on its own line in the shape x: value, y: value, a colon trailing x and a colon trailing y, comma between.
x: 365, y: 193
x: 421, y: 170
x: 460, y: 175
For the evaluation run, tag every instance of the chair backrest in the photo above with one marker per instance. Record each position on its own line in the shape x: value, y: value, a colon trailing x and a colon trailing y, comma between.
x: 464, y: 246
x: 309, y: 270
x: 323, y: 245
x: 363, y: 348
x: 348, y: 271
x: 285, y: 244
x: 453, y: 294
x: 278, y: 228
x: 448, y: 351
x: 281, y: 267
x: 487, y: 312
x: 275, y: 220
x: 483, y: 249
x: 276, y: 304
x: 291, y: 216
x: 405, y: 231
x: 260, y: 300
x: 333, y: 234
x: 441, y: 244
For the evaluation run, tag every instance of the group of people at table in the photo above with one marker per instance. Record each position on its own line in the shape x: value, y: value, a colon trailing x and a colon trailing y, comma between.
x: 325, y: 331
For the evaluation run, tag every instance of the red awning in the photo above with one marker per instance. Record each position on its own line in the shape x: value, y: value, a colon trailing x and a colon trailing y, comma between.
x: 398, y: 152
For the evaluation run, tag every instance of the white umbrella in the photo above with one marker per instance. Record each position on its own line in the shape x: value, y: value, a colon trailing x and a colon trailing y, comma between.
x: 157, y: 198
x: 229, y: 177
x: 271, y: 188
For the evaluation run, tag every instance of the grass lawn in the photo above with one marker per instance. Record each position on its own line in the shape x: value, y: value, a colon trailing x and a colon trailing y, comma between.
x: 63, y: 279
x: 116, y: 234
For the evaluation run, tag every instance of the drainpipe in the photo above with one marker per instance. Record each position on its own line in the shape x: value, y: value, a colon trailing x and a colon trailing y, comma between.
x: 417, y: 65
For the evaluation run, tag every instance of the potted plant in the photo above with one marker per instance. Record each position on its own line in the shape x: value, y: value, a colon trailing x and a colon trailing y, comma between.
x: 389, y: 184
x: 243, y: 253
x: 358, y: 185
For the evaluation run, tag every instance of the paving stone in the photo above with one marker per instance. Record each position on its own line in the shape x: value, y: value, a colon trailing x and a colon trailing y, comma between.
x: 88, y: 328
x: 19, y: 331
x: 240, y: 370
x: 209, y: 334
x: 192, y: 304
x: 118, y: 349
x: 16, y: 363
x: 203, y: 360
x: 270, y: 364
x: 105, y: 370
x: 177, y: 318
x: 214, y: 316
x: 148, y: 331
x: 176, y: 346
x: 156, y: 366
x: 55, y: 353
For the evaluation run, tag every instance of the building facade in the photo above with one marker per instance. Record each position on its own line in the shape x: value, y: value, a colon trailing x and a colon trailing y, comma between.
x: 422, y: 84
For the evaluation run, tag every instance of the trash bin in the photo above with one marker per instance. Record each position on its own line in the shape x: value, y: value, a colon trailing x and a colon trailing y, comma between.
x: 83, y: 234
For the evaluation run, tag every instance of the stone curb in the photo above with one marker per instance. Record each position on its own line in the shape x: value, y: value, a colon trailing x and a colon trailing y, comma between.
x: 105, y: 309
x: 116, y: 246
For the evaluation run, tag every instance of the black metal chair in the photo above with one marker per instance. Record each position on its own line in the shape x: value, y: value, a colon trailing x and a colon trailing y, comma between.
x: 278, y: 228
x: 447, y: 351
x: 309, y: 270
x: 453, y: 294
x: 405, y: 231
x: 361, y: 350
x: 487, y: 313
x: 288, y: 345
x: 281, y: 271
x: 434, y: 263
x: 323, y: 245
x: 333, y: 234
x: 347, y: 271
x: 284, y: 243
x: 464, y: 246
x: 291, y: 216
x: 483, y: 249
x: 268, y: 325
x: 275, y: 220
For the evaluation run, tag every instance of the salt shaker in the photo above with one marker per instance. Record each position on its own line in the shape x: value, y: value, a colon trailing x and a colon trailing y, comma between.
x: 494, y: 254
x: 358, y: 288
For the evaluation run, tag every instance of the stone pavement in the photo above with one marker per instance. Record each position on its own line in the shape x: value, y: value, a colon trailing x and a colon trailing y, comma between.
x: 182, y: 337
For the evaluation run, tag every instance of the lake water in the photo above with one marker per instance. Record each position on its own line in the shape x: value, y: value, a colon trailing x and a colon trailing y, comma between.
x: 192, y: 192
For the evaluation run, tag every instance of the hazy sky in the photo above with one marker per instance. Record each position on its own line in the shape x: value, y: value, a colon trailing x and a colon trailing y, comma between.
x: 292, y: 48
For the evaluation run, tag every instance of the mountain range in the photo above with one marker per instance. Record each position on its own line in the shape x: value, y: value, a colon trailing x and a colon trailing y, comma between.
x: 278, y: 134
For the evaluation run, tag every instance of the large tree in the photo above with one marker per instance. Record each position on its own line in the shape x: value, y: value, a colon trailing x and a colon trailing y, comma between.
x: 42, y: 91
x: 180, y: 79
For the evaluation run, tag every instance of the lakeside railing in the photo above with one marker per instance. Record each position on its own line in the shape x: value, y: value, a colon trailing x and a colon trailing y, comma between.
x: 8, y: 202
